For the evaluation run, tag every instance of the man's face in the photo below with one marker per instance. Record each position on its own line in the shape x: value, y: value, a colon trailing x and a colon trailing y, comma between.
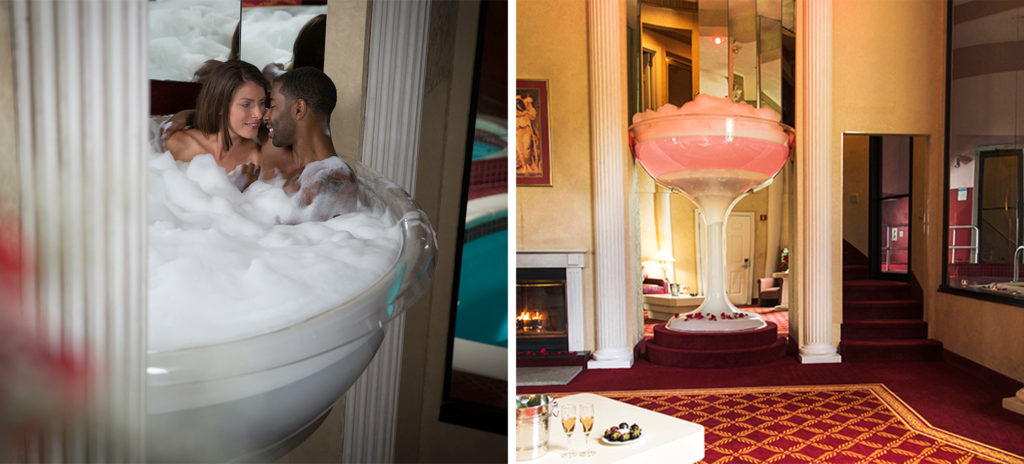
x: 279, y: 118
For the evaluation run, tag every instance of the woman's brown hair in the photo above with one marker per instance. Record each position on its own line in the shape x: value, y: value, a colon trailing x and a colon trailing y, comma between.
x: 213, y: 106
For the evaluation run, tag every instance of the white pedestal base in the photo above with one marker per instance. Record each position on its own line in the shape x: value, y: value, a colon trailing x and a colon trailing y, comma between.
x: 705, y: 323
x: 1015, y: 403
x: 815, y: 354
x: 611, y: 359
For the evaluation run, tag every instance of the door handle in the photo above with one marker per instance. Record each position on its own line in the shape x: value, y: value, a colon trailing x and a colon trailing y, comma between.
x: 746, y: 263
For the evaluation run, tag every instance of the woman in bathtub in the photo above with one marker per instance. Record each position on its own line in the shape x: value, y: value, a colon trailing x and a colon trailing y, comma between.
x: 229, y: 111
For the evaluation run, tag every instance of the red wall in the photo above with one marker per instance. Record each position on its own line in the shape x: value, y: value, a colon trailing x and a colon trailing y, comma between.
x: 960, y: 214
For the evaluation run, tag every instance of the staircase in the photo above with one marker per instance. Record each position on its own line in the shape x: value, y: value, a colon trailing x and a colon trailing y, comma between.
x: 882, y: 319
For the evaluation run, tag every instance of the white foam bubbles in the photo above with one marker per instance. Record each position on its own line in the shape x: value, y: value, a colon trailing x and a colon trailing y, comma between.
x: 269, y: 32
x: 223, y: 266
x: 183, y: 34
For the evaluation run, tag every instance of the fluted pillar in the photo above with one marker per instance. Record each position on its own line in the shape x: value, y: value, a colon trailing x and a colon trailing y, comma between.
x: 663, y: 224
x: 394, y: 101
x: 81, y: 106
x: 606, y: 38
x: 774, y: 225
x: 815, y: 234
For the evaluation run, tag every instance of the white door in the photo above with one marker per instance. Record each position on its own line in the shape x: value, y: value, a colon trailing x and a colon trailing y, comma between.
x: 739, y: 255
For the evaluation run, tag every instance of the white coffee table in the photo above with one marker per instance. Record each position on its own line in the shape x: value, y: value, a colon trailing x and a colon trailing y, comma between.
x: 665, y: 438
x: 663, y: 306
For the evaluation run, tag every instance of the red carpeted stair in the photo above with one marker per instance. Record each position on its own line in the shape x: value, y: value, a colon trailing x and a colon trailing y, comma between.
x: 882, y: 319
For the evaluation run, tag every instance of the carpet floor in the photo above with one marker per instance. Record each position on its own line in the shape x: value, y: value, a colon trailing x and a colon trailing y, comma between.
x: 827, y: 423
x: 953, y: 394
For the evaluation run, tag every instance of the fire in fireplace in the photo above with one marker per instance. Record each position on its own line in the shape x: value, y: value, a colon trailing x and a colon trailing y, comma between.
x: 541, y: 307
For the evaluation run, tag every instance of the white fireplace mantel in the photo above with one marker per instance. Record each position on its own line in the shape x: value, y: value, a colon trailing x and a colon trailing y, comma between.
x: 572, y: 262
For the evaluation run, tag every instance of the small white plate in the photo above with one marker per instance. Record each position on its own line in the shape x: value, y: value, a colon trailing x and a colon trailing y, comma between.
x: 617, y: 443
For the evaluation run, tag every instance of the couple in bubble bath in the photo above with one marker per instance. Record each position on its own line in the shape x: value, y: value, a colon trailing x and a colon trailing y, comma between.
x: 233, y: 122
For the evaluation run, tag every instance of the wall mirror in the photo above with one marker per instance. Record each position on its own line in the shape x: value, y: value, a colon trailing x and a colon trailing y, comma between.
x: 738, y: 49
x: 476, y: 378
x: 985, y: 144
x: 275, y: 35
x: 184, y: 34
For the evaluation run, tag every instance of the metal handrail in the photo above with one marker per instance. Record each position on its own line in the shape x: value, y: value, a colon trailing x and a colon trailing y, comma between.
x: 973, y: 246
x: 1016, y: 261
x: 887, y: 248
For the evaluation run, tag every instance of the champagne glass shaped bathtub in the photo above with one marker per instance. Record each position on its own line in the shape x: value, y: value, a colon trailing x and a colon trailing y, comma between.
x: 713, y: 151
x: 255, y: 397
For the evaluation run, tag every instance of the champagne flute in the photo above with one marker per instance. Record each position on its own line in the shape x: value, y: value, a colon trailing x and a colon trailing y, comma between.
x: 566, y: 414
x: 586, y: 413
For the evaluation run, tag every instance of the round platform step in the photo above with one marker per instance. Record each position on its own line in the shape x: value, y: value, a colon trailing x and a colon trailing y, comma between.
x: 668, y: 338
x: 703, y: 350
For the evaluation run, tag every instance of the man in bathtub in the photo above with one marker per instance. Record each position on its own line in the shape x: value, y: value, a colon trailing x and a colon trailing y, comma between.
x: 301, y: 149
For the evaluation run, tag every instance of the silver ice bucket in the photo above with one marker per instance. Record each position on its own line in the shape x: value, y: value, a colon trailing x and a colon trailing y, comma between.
x: 532, y: 426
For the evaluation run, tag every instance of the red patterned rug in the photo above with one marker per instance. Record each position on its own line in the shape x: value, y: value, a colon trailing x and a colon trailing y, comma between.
x: 827, y: 423
x: 780, y: 318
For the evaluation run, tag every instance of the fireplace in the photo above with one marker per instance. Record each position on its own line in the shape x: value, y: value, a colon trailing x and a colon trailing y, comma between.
x: 541, y: 310
x: 549, y: 300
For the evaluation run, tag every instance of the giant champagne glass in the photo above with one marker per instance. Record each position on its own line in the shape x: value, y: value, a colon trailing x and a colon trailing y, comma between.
x: 714, y: 152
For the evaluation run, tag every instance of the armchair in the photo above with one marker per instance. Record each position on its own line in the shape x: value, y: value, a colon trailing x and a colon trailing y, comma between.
x: 655, y: 286
x: 770, y: 288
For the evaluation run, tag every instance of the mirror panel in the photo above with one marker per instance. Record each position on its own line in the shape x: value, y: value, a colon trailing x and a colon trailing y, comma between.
x: 183, y: 34
x: 985, y: 173
x: 769, y: 39
x: 713, y: 19
x: 476, y: 378
x: 743, y: 51
x: 271, y: 34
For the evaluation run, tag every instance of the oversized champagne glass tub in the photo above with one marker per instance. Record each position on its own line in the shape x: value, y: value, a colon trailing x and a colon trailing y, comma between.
x: 714, y: 152
x: 258, y: 393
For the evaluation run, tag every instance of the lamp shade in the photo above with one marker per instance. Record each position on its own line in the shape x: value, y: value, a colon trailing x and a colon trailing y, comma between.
x: 664, y: 256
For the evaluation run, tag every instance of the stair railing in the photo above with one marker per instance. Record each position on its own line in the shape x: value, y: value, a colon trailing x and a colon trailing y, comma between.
x: 1016, y: 261
x: 973, y: 247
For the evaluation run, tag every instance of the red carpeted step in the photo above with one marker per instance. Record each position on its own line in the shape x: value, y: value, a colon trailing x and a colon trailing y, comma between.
x: 856, y: 290
x: 890, y: 350
x: 705, y: 359
x: 882, y: 309
x: 668, y: 338
x: 882, y: 329
x: 855, y: 272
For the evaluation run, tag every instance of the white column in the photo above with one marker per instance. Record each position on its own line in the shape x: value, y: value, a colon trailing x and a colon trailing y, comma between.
x: 606, y: 31
x: 82, y: 99
x: 394, y: 100
x: 814, y: 199
x: 663, y: 224
x: 774, y: 225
